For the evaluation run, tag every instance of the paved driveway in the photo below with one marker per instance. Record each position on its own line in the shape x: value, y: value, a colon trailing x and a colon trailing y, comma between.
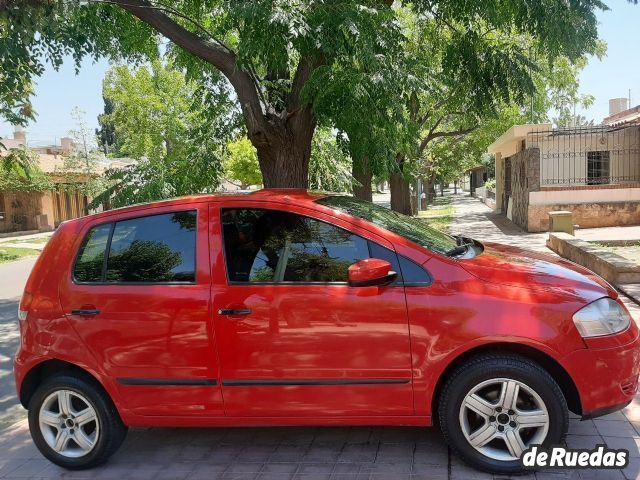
x: 286, y: 453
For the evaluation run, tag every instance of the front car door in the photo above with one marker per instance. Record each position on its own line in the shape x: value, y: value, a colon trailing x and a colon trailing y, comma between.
x: 138, y: 295
x: 295, y: 339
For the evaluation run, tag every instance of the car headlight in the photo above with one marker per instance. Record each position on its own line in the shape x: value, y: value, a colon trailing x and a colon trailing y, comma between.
x: 602, y: 317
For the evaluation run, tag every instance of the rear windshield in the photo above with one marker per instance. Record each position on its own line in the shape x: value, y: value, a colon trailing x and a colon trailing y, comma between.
x: 418, y: 231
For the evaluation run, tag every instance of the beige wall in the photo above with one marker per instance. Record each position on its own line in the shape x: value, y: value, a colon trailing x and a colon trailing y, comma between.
x: 587, y: 215
x: 599, y: 195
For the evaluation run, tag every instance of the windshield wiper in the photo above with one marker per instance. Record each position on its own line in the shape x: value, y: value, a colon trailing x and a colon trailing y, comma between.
x: 461, y: 248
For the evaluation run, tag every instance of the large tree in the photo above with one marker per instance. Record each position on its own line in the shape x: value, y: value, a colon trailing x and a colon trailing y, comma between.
x: 176, y: 136
x: 280, y: 55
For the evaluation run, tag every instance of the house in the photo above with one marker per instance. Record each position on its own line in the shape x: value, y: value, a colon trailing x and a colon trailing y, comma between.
x: 43, y: 211
x: 592, y: 171
x: 477, y: 177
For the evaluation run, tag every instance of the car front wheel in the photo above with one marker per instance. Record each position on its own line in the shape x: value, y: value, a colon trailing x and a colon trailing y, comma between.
x: 74, y: 423
x: 495, y: 407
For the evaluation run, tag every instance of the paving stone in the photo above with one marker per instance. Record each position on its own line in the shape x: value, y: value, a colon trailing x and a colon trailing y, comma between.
x: 632, y: 471
x: 615, y: 428
x: 632, y: 444
x: 583, y: 441
x: 578, y: 427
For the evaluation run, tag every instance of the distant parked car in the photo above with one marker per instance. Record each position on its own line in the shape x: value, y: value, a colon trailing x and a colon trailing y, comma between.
x: 284, y: 307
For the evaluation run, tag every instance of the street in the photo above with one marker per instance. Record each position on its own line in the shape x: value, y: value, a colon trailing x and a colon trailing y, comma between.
x: 13, y: 276
x: 288, y: 453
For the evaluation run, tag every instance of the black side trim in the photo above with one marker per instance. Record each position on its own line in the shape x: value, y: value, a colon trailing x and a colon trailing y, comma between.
x: 167, y: 382
x: 604, y: 411
x: 292, y: 382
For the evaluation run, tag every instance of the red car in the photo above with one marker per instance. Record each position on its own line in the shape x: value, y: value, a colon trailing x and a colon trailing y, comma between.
x: 284, y: 307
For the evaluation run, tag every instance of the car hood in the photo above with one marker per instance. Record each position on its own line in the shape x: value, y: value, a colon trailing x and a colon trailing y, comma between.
x: 506, y: 265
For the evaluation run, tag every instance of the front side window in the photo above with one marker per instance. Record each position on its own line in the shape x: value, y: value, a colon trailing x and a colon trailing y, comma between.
x: 152, y: 249
x: 275, y: 246
x: 411, y: 228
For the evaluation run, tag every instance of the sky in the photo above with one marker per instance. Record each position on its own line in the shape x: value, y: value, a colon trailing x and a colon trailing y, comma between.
x: 57, y: 93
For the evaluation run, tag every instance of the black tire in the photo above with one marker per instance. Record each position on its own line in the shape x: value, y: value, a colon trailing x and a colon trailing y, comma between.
x: 493, y: 366
x: 112, y: 431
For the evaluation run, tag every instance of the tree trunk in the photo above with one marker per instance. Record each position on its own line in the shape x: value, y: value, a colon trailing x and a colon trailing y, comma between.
x: 285, y: 165
x: 400, y: 194
x: 441, y: 189
x: 400, y: 190
x: 361, y: 172
x: 284, y: 150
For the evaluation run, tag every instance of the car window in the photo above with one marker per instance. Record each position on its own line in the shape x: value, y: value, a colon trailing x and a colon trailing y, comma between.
x: 412, y: 273
x: 276, y: 246
x: 90, y: 261
x: 413, y: 229
x: 153, y: 249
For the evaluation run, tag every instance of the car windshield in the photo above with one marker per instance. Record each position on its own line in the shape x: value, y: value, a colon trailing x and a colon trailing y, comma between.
x: 408, y: 227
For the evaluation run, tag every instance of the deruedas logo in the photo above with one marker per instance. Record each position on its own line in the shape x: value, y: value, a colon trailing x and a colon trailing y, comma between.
x: 561, y: 457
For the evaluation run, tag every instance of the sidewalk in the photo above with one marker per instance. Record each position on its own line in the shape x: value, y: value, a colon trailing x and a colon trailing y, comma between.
x: 474, y: 219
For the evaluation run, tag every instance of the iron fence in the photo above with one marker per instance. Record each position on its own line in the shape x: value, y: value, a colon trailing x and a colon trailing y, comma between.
x: 594, y: 155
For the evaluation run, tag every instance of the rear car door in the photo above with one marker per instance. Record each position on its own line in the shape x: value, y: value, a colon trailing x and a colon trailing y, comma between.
x: 295, y: 339
x: 138, y: 295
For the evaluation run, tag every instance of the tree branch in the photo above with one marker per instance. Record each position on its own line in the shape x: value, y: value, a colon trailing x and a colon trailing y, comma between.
x: 303, y: 72
x: 210, y: 51
x: 450, y: 133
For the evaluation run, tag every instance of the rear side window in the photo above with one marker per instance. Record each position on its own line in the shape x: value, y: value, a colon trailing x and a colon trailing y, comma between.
x: 151, y: 249
x: 90, y: 262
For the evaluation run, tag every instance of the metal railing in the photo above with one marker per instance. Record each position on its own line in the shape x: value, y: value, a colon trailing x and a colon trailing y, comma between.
x: 595, y: 155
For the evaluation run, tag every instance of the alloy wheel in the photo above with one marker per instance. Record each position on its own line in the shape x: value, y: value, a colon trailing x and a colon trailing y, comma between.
x: 69, y: 423
x: 503, y: 417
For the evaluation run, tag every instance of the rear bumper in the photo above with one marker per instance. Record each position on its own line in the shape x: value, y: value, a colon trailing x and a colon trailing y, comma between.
x: 606, y: 378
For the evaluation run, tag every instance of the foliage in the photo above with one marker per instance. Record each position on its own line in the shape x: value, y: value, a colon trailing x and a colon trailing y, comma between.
x: 81, y: 168
x: 241, y: 163
x: 491, y: 183
x: 330, y: 166
x: 106, y: 134
x: 19, y: 171
x: 294, y: 64
x: 163, y: 121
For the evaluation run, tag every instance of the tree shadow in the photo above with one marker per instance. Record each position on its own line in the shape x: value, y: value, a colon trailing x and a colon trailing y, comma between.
x: 10, y: 409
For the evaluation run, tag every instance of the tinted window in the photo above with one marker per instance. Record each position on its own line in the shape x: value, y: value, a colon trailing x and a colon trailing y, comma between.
x: 418, y: 231
x: 413, y: 274
x: 90, y: 261
x: 378, y: 251
x: 275, y: 246
x: 158, y: 248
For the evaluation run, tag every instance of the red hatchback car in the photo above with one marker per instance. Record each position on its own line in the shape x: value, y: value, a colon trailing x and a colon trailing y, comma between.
x: 284, y: 307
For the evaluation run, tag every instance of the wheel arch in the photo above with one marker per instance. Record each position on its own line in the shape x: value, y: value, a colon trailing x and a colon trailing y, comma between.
x: 45, y: 369
x: 551, y: 365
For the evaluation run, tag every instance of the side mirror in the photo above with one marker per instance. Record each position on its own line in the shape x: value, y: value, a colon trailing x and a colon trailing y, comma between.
x: 371, y: 272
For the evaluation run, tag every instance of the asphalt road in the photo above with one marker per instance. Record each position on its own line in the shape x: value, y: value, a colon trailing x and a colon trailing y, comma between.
x: 13, y: 277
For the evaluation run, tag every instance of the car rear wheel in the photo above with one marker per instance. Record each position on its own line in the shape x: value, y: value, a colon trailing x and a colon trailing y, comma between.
x: 74, y: 423
x: 496, y: 406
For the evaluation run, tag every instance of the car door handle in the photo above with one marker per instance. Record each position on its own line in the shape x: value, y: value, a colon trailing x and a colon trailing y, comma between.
x: 234, y: 311
x: 85, y: 313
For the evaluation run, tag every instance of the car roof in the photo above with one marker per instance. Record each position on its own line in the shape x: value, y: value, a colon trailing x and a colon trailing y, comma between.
x: 296, y: 195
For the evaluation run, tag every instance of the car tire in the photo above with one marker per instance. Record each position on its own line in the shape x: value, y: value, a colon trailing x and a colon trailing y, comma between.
x: 74, y: 423
x: 477, y: 415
